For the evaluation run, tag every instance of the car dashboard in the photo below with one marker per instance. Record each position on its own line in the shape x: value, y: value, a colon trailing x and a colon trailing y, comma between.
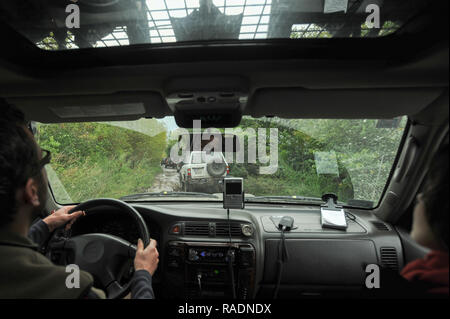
x: 199, y: 258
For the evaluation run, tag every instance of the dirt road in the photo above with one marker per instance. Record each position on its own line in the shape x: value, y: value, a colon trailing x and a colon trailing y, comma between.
x: 167, y: 181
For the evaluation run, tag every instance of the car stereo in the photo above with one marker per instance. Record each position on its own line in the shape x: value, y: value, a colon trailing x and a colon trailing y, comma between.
x: 202, y: 269
x: 208, y: 254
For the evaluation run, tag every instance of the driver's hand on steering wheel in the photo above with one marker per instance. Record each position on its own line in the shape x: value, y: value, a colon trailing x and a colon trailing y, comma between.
x: 61, y: 216
x: 146, y: 258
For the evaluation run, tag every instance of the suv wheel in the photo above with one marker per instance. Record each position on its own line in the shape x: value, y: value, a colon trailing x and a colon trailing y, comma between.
x: 216, y: 169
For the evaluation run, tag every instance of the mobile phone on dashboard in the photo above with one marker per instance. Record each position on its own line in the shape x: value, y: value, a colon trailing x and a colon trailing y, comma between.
x: 233, y: 192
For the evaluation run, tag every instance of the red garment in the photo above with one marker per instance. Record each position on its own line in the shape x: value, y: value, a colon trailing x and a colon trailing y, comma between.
x: 432, y: 270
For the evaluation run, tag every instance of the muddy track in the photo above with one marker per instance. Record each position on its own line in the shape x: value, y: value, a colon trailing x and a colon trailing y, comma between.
x: 167, y: 181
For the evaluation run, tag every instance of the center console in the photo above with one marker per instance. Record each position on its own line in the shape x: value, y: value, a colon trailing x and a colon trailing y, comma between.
x: 207, y: 270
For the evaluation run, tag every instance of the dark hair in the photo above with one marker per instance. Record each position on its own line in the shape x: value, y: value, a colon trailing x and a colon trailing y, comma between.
x: 435, y: 195
x: 18, y: 159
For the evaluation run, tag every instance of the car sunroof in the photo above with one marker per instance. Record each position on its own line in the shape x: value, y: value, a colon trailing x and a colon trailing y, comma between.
x: 73, y: 24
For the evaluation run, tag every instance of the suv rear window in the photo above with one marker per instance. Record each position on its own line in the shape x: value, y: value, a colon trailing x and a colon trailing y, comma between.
x: 205, y: 157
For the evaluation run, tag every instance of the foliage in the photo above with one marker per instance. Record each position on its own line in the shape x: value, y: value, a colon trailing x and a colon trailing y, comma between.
x: 365, y: 150
x: 101, y: 160
x: 297, y: 172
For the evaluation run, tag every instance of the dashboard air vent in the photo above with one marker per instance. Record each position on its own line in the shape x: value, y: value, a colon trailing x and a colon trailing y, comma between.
x: 196, y: 229
x: 380, y: 226
x: 223, y: 231
x: 389, y: 258
x: 211, y: 229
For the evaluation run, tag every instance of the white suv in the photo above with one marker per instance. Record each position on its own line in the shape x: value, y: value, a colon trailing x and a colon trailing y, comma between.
x: 204, y: 170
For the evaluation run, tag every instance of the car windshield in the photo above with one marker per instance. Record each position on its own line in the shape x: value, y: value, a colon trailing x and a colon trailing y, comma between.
x: 279, y: 159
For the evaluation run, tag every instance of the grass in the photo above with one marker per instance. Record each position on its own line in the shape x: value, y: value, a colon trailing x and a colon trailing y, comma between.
x: 272, y: 185
x: 295, y: 183
x: 105, y: 178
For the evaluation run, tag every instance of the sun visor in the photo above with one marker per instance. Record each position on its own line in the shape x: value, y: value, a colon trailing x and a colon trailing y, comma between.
x: 111, y: 107
x: 344, y: 104
x: 106, y: 110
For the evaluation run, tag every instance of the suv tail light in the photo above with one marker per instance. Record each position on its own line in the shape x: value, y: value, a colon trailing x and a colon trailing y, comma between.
x: 228, y: 169
x: 189, y: 172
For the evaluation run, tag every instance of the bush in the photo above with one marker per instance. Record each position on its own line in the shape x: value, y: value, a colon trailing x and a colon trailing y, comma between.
x: 99, y: 160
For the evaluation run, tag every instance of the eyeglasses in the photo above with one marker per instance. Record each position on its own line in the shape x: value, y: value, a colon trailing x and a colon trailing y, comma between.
x: 32, y: 127
x: 46, y: 154
x: 46, y: 157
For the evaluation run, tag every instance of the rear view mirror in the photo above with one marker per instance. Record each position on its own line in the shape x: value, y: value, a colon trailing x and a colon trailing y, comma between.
x: 219, y: 118
x: 213, y: 108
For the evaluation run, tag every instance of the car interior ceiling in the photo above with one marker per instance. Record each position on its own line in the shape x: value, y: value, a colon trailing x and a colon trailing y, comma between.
x: 405, y: 73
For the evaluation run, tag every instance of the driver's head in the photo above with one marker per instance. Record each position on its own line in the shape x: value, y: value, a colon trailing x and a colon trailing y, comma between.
x: 23, y: 181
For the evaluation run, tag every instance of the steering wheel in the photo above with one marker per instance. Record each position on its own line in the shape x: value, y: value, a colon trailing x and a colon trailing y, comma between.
x: 101, y: 255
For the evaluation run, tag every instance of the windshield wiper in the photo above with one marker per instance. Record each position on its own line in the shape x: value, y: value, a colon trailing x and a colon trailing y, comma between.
x: 293, y: 198
x: 166, y: 194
